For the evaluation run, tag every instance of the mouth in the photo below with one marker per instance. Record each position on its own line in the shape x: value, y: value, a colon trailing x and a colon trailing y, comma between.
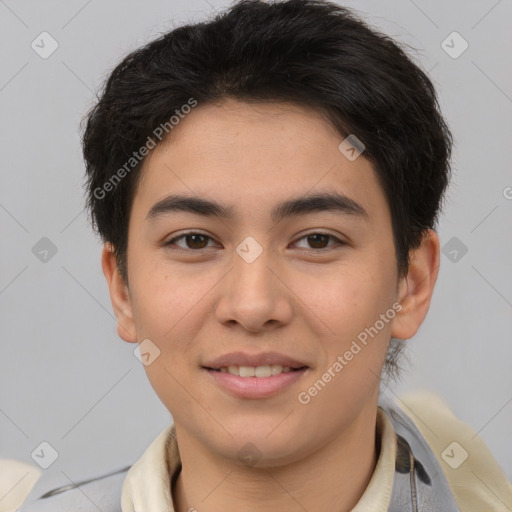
x: 259, y: 372
x: 254, y: 376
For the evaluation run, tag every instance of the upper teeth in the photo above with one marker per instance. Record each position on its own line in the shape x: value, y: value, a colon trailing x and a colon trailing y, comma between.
x: 256, y: 371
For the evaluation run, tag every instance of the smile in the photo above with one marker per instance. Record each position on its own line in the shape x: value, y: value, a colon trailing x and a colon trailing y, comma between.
x: 256, y: 371
x: 255, y: 382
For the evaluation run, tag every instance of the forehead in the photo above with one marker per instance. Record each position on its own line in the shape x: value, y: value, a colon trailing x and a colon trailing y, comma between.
x: 242, y: 154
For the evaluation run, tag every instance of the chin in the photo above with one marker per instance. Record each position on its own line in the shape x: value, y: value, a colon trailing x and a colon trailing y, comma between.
x: 263, y: 443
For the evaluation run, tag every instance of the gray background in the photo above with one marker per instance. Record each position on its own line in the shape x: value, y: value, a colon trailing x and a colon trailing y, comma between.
x: 66, y: 377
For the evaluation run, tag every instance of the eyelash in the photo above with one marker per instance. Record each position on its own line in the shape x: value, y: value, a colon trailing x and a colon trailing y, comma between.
x: 171, y: 242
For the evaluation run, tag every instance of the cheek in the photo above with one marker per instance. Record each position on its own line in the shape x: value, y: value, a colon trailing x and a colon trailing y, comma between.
x: 165, y: 309
x: 170, y: 385
x: 350, y: 299
x: 353, y: 305
x: 161, y: 300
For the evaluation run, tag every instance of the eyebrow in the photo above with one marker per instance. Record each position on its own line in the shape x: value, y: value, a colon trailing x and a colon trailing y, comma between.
x: 303, y: 205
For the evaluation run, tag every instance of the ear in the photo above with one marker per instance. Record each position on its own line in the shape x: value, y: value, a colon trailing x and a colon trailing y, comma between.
x: 416, y: 288
x: 119, y: 295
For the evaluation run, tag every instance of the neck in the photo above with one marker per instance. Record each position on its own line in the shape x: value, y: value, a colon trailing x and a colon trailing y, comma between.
x: 334, y: 477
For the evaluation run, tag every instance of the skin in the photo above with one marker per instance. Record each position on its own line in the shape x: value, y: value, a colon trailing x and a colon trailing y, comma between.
x: 297, y: 298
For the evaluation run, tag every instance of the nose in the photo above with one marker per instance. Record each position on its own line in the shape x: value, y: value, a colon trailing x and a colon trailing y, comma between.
x: 254, y: 294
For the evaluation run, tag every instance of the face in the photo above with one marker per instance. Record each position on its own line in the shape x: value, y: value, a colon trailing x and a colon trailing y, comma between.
x: 312, y: 287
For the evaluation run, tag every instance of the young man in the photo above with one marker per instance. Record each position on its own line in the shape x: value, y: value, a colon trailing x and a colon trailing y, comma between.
x: 267, y: 186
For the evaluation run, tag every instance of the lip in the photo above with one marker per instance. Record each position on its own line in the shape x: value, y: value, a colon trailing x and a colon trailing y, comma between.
x: 255, y: 387
x: 244, y: 359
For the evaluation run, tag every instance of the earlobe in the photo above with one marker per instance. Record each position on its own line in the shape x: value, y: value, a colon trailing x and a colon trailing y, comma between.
x: 119, y: 296
x: 417, y: 287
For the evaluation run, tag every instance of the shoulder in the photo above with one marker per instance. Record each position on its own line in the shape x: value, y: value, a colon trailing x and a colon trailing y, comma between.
x: 100, y: 493
x: 473, y: 474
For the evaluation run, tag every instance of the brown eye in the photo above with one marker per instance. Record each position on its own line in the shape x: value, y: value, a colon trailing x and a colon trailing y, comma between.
x: 193, y: 241
x: 320, y: 241
x: 197, y: 241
